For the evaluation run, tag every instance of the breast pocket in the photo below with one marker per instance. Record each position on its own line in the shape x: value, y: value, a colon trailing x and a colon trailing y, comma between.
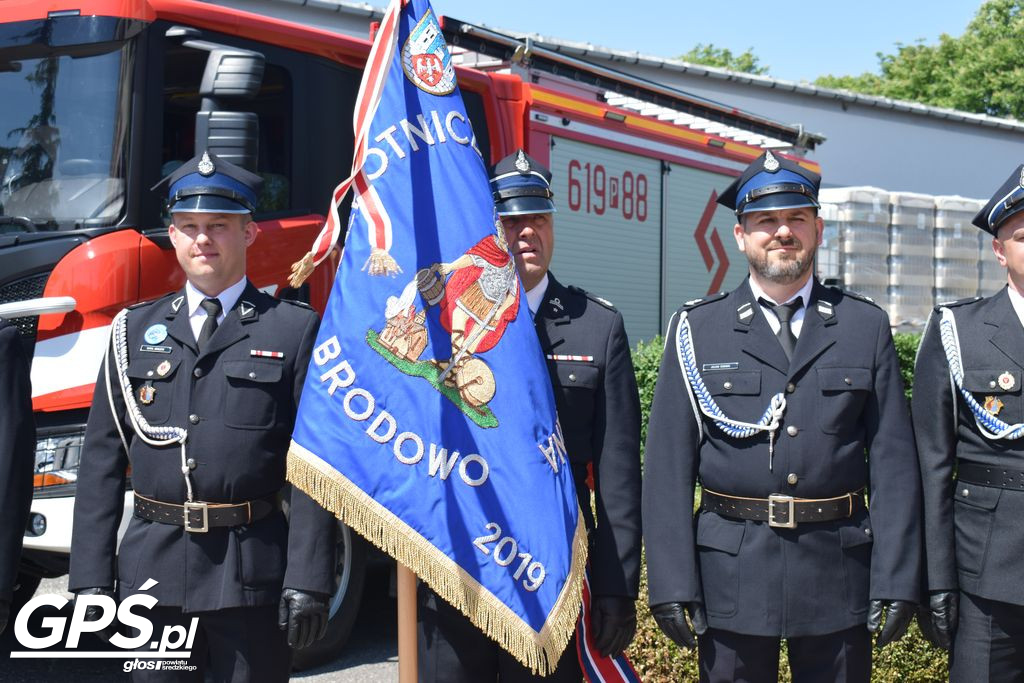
x: 577, y: 386
x: 997, y: 390
x: 253, y: 392
x: 153, y: 386
x: 843, y: 393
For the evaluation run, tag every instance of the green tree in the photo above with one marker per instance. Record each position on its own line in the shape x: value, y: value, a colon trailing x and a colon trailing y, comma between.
x: 979, y: 71
x: 709, y: 55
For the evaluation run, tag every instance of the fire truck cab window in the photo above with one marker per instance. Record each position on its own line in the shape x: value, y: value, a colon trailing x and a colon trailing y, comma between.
x: 183, y: 72
x: 63, y: 137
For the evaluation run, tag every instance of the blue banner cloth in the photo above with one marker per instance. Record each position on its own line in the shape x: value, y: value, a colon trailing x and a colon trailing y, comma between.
x: 427, y: 420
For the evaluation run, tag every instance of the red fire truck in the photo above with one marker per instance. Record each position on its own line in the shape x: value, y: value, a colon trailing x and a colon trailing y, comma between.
x: 103, y: 98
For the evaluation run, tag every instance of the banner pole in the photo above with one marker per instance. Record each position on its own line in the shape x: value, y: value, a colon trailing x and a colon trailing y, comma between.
x: 406, y: 587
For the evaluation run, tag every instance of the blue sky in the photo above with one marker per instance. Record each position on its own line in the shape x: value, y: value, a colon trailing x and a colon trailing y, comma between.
x: 825, y: 36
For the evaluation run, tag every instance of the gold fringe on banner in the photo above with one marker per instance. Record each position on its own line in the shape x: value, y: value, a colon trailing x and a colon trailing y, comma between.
x: 539, y: 651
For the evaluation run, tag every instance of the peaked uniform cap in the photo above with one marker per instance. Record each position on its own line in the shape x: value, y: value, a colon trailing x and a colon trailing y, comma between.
x: 208, y: 184
x: 1006, y: 202
x: 769, y: 183
x: 521, y: 185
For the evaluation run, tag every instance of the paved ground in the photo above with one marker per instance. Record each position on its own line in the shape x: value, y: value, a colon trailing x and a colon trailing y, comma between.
x: 371, y: 655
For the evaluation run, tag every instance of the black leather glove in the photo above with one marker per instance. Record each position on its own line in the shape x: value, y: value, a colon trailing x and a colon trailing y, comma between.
x: 304, y: 615
x: 671, y: 618
x: 94, y: 613
x: 898, y: 614
x: 613, y: 620
x: 938, y: 619
x: 5, y: 613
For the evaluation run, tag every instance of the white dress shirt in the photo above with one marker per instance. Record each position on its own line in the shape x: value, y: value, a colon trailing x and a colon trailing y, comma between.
x: 797, y: 322
x: 197, y: 315
x: 535, y: 296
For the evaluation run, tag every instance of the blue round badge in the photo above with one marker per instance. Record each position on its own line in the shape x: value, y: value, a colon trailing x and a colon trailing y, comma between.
x: 156, y: 334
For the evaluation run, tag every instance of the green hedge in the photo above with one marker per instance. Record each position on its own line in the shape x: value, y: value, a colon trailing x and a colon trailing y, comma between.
x: 656, y: 658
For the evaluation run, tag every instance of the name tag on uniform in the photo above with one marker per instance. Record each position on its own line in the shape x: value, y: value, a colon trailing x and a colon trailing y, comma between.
x: 720, y: 366
x: 155, y: 349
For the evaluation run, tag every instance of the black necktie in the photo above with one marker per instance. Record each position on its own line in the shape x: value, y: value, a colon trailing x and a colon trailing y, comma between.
x: 785, y: 313
x: 212, y: 308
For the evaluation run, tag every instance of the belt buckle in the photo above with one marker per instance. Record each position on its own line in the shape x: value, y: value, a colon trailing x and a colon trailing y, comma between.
x: 777, y: 499
x: 204, y: 509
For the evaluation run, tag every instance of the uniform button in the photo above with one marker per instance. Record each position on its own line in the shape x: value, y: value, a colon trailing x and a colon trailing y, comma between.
x: 790, y: 388
x: 792, y: 430
x: 792, y: 479
x: 572, y: 376
x: 252, y: 375
x: 727, y: 385
x: 848, y: 380
x: 992, y: 384
x: 149, y: 374
x: 867, y: 532
x: 191, y: 463
x: 965, y: 493
x: 198, y: 372
x: 193, y: 418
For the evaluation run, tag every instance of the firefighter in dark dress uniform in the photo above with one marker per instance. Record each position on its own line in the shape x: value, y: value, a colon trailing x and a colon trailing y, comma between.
x: 782, y: 399
x: 592, y: 374
x: 968, y: 419
x: 17, y: 456
x: 198, y: 393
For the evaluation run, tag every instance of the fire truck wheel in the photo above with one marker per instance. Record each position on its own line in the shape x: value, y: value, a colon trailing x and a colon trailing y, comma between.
x: 351, y: 573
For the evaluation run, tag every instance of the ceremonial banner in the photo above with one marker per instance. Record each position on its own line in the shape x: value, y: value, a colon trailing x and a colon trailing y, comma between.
x: 427, y: 421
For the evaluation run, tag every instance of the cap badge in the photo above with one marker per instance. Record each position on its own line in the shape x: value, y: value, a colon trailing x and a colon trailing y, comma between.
x: 205, y: 166
x: 522, y: 163
x: 1021, y: 181
x: 993, y: 405
x: 1006, y: 381
x: 771, y: 164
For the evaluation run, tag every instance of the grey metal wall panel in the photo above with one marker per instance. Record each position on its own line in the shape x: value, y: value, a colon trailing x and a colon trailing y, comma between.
x: 609, y: 245
x: 701, y: 256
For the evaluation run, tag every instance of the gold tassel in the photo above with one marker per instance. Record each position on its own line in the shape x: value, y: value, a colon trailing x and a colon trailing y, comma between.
x: 381, y: 263
x: 301, y: 270
x: 539, y: 651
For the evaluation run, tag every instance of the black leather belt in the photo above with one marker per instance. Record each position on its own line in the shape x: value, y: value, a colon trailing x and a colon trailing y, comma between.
x: 780, y: 510
x: 990, y: 475
x: 199, y: 517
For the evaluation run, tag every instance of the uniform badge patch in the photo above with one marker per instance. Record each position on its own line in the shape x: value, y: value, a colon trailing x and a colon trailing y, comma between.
x: 155, y: 334
x: 993, y: 405
x: 771, y: 164
x: 146, y: 394
x: 426, y: 61
x: 1006, y: 381
x: 163, y: 368
x: 205, y: 165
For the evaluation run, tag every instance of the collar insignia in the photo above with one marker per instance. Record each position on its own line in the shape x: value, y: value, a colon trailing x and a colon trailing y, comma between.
x: 246, y: 309
x: 993, y: 405
x: 556, y: 304
x: 522, y: 163
x: 771, y: 164
x: 205, y: 166
x: 744, y: 311
x: 176, y: 304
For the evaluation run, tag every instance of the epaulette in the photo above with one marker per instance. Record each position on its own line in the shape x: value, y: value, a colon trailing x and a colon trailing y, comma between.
x: 694, y: 303
x: 296, y: 302
x: 593, y: 297
x: 858, y: 296
x: 147, y: 302
x: 958, y: 302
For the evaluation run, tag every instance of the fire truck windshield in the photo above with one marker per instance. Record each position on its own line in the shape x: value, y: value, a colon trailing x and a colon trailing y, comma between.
x: 63, y: 137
